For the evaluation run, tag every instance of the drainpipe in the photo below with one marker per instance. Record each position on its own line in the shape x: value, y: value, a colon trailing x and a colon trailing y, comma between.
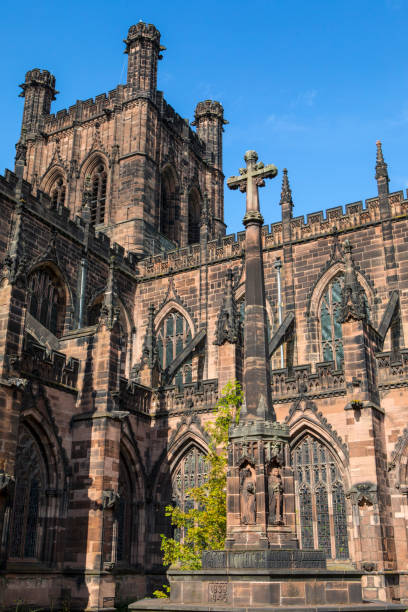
x: 82, y: 291
x: 278, y: 266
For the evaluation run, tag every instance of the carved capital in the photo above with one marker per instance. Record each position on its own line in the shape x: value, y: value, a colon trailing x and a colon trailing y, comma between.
x: 253, y: 216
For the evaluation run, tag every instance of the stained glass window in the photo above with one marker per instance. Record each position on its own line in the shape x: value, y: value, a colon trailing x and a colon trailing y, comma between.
x: 332, y: 343
x: 173, y: 336
x: 98, y: 194
x: 29, y: 491
x: 190, y: 472
x: 320, y: 499
x: 57, y: 192
x: 46, y: 300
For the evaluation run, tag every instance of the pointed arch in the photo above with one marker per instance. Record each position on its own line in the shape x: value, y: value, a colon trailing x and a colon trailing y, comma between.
x: 173, y: 336
x: 194, y: 215
x: 54, y: 183
x: 324, y: 280
x: 320, y: 485
x: 173, y: 305
x: 48, y: 296
x: 95, y: 168
x: 127, y: 517
x: 169, y: 209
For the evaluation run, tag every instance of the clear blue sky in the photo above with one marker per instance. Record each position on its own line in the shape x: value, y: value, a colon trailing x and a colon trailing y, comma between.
x: 309, y: 85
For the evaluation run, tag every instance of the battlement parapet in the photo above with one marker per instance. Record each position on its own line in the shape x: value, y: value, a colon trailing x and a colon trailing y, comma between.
x: 103, y: 105
x: 37, y: 77
x: 392, y: 370
x: 49, y: 366
x: 58, y: 216
x: 134, y: 397
x: 355, y: 214
x: 193, y: 396
x: 326, y: 380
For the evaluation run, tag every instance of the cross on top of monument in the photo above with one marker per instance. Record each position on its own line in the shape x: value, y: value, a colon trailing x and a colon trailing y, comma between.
x: 252, y: 177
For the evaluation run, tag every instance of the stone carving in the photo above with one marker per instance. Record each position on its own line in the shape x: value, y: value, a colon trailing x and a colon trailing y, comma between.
x: 363, y: 494
x: 247, y: 496
x: 6, y: 482
x: 274, y: 452
x: 353, y: 305
x: 218, y: 591
x: 109, y: 499
x: 275, y: 496
x: 228, y: 325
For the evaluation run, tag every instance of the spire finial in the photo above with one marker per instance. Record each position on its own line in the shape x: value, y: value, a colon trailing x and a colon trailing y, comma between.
x: 286, y: 193
x: 381, y: 172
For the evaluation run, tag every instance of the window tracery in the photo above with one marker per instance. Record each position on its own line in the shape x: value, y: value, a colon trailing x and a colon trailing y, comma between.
x: 99, y: 179
x: 28, y: 497
x: 46, y: 299
x: 190, y: 472
x: 330, y: 325
x: 172, y: 338
x: 321, y: 500
x: 57, y: 191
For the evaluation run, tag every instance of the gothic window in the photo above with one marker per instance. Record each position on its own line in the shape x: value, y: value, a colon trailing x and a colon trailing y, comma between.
x: 332, y: 339
x: 320, y: 499
x: 169, y: 211
x: 28, y: 496
x: 124, y: 517
x: 190, y: 472
x: 98, y: 194
x: 173, y: 336
x: 194, y: 212
x: 46, y: 300
x: 57, y: 192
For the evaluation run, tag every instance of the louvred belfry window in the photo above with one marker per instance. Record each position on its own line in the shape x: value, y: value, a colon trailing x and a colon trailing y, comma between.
x: 332, y: 338
x: 98, y: 194
x: 320, y: 499
x: 190, y: 472
x: 173, y: 336
x: 57, y: 192
x: 46, y: 300
x: 28, y: 496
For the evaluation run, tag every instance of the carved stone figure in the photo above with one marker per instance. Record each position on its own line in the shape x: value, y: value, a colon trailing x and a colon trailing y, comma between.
x: 275, y: 494
x: 247, y: 497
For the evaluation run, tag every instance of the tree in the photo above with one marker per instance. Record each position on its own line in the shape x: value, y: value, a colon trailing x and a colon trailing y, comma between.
x: 205, y: 525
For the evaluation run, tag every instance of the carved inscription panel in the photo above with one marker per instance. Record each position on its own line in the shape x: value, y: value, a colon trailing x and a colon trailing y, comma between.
x: 218, y: 592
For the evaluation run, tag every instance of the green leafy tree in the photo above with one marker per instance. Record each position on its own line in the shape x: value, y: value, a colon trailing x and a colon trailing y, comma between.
x: 205, y: 526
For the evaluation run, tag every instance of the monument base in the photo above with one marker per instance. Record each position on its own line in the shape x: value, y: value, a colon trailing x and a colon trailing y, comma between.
x: 242, y: 590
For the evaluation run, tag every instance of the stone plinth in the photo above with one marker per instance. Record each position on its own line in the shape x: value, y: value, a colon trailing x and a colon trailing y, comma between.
x: 241, y: 590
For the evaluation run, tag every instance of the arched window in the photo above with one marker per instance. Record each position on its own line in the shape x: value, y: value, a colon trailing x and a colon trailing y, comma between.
x: 98, y: 194
x: 57, y: 191
x: 46, y: 299
x: 125, y: 519
x: 173, y: 336
x: 332, y: 337
x: 320, y: 499
x: 194, y: 213
x: 169, y: 213
x: 190, y: 472
x: 25, y: 541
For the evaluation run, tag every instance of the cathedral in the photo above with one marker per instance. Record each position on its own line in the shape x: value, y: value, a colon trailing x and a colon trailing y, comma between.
x: 122, y: 312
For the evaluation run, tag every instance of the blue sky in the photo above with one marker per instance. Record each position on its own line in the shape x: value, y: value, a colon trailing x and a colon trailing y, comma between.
x: 310, y: 85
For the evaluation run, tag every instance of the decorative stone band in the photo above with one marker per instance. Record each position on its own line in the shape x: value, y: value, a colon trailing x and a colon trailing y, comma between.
x: 264, y: 559
x: 253, y: 216
x: 259, y: 429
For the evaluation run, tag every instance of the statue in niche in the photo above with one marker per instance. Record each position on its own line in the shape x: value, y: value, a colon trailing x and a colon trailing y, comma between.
x: 275, y: 496
x: 247, y: 496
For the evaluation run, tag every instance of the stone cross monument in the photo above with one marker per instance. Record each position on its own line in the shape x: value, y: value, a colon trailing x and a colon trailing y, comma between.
x: 260, y: 498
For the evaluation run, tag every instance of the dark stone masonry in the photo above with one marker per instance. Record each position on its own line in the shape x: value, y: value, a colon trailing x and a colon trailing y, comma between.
x: 125, y: 309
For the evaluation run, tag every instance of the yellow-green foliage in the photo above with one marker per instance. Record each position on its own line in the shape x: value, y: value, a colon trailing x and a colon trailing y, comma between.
x: 164, y: 594
x: 205, y: 526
